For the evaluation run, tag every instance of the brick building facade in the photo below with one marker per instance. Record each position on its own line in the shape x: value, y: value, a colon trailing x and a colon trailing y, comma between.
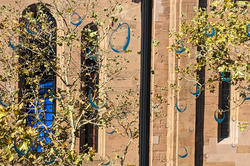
x: 195, y: 129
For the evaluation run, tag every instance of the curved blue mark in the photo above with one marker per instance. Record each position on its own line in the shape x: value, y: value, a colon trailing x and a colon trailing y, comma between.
x: 180, y: 109
x: 52, y: 158
x: 57, y: 151
x: 51, y: 161
x: 247, y: 30
x: 127, y: 42
x: 209, y: 34
x: 31, y: 32
x: 246, y: 98
x: 92, y: 103
x: 111, y: 132
x: 79, y: 19
x: 197, y: 90
x: 46, y: 84
x: 1, y: 103
x: 185, y: 155
x: 12, y: 46
x: 51, y: 93
x: 225, y: 79
x: 19, y: 151
x: 181, y: 50
x: 219, y: 120
x: 108, y: 163
x: 89, y: 53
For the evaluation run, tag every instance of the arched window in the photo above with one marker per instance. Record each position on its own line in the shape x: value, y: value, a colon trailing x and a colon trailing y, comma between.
x: 224, y: 104
x: 37, y: 78
x: 90, y: 80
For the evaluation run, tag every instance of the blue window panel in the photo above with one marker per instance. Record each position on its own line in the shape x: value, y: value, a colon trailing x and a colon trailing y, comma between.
x: 42, y: 91
x: 40, y: 122
x: 49, y: 116
x: 49, y: 84
x: 45, y: 115
x: 48, y: 102
x: 41, y: 135
x: 48, y: 107
x: 47, y: 140
x: 48, y: 123
x: 41, y: 128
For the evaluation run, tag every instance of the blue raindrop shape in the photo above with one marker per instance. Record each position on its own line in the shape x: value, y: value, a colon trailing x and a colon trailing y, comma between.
x: 217, y: 119
x: 19, y: 151
x: 79, y: 19
x: 247, y: 30
x: 185, y: 155
x: 225, y: 79
x: 209, y: 34
x: 197, y: 90
x: 111, y: 132
x: 181, y: 50
x: 107, y: 163
x: 12, y: 46
x: 31, y: 32
x: 177, y: 107
x: 51, y: 161
x: 124, y: 48
x: 92, y: 103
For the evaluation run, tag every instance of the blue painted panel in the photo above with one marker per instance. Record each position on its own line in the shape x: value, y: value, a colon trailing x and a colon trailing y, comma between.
x: 49, y: 116
x: 48, y: 123
x: 47, y: 85
x: 48, y: 107
x: 45, y: 115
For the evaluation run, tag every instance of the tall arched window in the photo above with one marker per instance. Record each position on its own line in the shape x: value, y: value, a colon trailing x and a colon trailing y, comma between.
x: 37, y: 78
x: 90, y: 80
x: 224, y: 104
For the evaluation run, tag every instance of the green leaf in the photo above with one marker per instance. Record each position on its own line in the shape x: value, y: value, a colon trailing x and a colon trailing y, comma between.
x: 2, y: 114
x: 155, y: 43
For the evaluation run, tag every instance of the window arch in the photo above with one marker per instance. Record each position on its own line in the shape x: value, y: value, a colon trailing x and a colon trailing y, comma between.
x: 37, y: 78
x: 90, y: 80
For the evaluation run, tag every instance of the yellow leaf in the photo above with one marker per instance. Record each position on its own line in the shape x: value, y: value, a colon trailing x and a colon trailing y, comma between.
x: 2, y: 114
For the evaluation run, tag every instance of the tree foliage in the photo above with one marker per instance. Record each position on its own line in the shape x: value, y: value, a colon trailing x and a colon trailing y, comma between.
x: 220, y: 37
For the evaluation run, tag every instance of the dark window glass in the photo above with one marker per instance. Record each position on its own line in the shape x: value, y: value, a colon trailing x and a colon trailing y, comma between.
x: 136, y: 1
x: 224, y: 104
x: 90, y: 80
